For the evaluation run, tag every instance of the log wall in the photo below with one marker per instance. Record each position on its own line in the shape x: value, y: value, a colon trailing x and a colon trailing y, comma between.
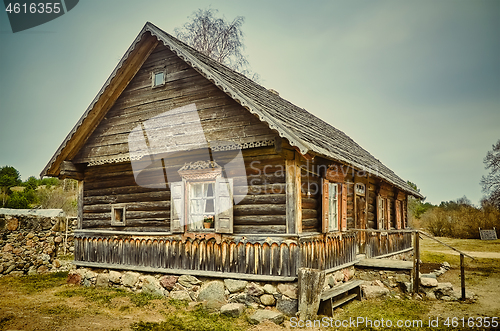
x: 262, y: 196
x: 311, y: 207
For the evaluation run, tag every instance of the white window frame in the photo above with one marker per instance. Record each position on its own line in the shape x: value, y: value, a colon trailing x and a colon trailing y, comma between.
x: 191, y: 223
x: 333, y: 207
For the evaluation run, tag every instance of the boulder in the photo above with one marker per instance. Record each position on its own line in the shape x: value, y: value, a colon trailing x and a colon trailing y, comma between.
x: 241, y: 298
x: 287, y: 306
x: 168, y: 282
x: 234, y: 285
x: 330, y: 280
x: 151, y: 285
x: 56, y: 264
x: 188, y: 281
x: 72, y: 278
x: 254, y: 290
x: 102, y: 280
x: 180, y: 295
x: 41, y: 270
x: 289, y: 290
x: 444, y: 289
x: 270, y: 289
x: 262, y: 315
x: 373, y: 292
x: 267, y: 300
x: 428, y: 282
x: 339, y: 276
x: 212, y: 292
x: 130, y: 278
x: 232, y: 309
x: 8, y: 248
x: 114, y: 276
x: 12, y: 224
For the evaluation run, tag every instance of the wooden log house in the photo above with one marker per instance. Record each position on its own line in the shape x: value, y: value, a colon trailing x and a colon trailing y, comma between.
x: 174, y: 139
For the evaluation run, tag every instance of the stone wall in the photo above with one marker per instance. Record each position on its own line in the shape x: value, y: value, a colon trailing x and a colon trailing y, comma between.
x: 31, y: 244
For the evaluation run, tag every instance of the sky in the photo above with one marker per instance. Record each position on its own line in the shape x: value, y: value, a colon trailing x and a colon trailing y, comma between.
x: 416, y: 83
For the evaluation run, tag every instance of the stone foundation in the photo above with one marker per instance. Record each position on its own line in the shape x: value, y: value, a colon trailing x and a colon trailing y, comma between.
x: 215, y: 292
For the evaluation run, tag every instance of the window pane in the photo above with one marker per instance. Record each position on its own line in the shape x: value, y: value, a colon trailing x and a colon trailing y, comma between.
x: 210, y: 190
x: 209, y: 208
x: 159, y: 78
x: 196, y: 191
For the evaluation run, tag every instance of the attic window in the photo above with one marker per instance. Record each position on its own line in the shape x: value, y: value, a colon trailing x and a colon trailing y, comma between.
x: 158, y: 78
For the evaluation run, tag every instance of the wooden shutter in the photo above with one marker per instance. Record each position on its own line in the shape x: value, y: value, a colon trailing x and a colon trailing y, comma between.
x: 398, y: 214
x: 177, y: 207
x: 343, y: 222
x: 380, y: 212
x: 224, y: 205
x: 325, y: 206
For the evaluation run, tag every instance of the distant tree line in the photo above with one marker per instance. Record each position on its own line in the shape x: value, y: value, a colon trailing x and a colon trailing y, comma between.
x: 46, y: 193
x: 460, y: 218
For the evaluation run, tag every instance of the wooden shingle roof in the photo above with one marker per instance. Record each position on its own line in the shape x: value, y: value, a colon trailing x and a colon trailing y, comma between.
x: 303, y: 130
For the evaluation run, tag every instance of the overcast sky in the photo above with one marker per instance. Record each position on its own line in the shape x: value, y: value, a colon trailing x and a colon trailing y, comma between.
x: 416, y: 83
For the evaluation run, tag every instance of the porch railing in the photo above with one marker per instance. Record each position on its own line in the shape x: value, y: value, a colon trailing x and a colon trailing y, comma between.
x: 379, y: 242
x: 250, y: 258
x: 326, y: 252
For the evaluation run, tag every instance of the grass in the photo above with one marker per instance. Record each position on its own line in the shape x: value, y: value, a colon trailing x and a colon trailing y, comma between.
x: 103, y: 296
x: 199, y: 319
x: 469, y: 245
x: 36, y: 283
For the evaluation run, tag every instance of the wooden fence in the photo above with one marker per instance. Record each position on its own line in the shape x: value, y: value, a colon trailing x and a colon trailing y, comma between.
x: 380, y: 243
x: 245, y: 257
x: 325, y: 252
x: 257, y: 258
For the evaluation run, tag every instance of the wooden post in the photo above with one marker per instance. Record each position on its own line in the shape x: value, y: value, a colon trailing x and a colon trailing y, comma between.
x: 293, y: 197
x: 416, y: 263
x: 80, y: 204
x: 462, y: 275
x: 311, y: 282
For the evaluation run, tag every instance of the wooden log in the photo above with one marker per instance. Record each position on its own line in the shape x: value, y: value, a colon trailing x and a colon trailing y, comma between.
x: 310, y: 283
x: 309, y: 213
x: 124, y: 198
x: 268, y: 209
x: 138, y: 206
x: 252, y: 229
x: 261, y: 199
x: 260, y: 220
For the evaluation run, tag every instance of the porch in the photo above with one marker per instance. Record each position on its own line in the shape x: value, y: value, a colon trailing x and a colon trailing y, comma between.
x: 253, y: 257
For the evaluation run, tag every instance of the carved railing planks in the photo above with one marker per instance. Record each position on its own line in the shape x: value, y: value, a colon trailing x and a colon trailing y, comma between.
x: 328, y: 251
x: 382, y: 243
x: 271, y: 258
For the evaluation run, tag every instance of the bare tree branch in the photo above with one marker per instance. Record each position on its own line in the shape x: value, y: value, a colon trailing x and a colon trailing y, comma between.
x: 217, y: 38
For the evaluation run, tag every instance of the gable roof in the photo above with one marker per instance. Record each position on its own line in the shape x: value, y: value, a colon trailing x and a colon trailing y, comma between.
x: 303, y: 130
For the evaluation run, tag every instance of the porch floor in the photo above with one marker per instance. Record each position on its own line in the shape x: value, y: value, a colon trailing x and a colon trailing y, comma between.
x: 385, y: 264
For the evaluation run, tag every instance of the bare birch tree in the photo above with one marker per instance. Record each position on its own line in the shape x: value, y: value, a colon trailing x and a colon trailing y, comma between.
x: 491, y: 182
x: 217, y: 38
